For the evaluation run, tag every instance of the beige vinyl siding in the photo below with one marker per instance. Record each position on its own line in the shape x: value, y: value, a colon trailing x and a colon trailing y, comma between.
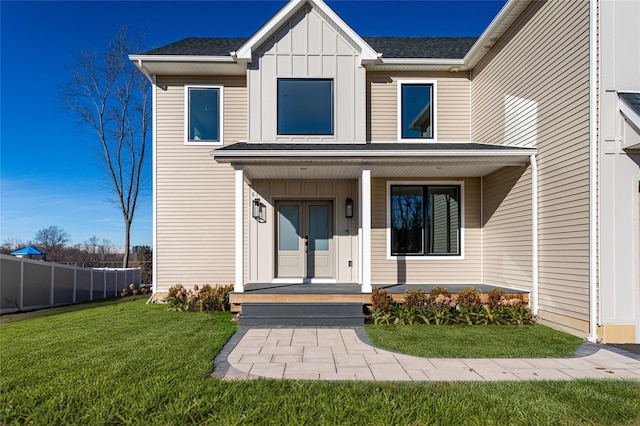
x: 544, y: 62
x: 507, y: 212
x: 452, y: 99
x: 425, y: 270
x: 194, y: 195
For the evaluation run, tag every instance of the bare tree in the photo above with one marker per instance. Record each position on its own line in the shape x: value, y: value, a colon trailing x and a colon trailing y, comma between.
x: 12, y: 244
x: 110, y: 96
x: 51, y: 240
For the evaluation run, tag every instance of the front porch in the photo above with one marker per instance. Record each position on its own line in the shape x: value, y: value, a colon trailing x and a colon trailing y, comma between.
x: 342, y: 293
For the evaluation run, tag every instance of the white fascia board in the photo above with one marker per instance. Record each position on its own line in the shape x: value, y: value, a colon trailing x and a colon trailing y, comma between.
x: 507, y: 15
x: 379, y: 155
x: 181, y: 58
x: 246, y: 50
x: 367, y: 53
x: 420, y: 61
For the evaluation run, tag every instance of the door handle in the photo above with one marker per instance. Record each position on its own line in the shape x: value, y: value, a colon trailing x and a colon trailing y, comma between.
x: 306, y: 243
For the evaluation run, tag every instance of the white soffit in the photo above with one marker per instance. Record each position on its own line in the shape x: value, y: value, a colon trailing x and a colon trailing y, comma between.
x: 315, y: 171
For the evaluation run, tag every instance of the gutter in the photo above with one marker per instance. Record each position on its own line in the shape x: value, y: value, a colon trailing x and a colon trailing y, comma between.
x: 593, y: 141
x: 359, y: 155
x: 534, y: 234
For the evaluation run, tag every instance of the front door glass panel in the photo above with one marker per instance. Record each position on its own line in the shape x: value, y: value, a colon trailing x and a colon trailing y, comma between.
x: 319, y: 227
x: 289, y: 227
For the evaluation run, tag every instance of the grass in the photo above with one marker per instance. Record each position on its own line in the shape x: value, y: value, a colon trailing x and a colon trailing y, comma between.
x: 493, y: 341
x: 132, y: 363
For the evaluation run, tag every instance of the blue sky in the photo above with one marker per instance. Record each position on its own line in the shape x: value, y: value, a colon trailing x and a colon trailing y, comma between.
x: 49, y: 171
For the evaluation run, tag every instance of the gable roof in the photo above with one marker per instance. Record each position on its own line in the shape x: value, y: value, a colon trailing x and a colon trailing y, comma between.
x: 228, y: 56
x: 287, y: 12
x: 389, y: 47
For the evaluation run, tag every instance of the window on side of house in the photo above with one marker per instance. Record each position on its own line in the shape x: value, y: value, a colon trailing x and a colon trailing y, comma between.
x: 425, y: 220
x: 203, y: 114
x: 305, y: 106
x: 417, y: 110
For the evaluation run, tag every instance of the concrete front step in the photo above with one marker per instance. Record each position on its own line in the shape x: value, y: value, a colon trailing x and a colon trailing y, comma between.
x: 302, y: 314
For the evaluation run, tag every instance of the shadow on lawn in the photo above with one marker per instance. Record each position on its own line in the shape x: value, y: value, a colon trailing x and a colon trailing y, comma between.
x: 19, y: 316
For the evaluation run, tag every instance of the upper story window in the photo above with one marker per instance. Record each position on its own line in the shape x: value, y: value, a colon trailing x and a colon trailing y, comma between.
x: 425, y: 220
x: 305, y: 106
x: 203, y: 115
x: 417, y: 109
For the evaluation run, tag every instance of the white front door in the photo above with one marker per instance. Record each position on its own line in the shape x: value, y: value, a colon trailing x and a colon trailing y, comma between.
x: 304, y: 242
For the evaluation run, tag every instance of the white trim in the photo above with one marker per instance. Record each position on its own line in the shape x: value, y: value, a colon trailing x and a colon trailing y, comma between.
x: 434, y: 109
x: 154, y: 192
x: 360, y: 271
x: 423, y: 258
x: 482, y: 228
x: 140, y: 59
x: 593, y: 179
x: 534, y: 234
x: 239, y: 231
x: 187, y: 107
x: 383, y: 154
x: 291, y: 8
x: 366, y: 229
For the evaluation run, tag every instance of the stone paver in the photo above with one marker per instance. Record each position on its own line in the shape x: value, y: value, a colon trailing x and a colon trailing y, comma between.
x: 341, y: 354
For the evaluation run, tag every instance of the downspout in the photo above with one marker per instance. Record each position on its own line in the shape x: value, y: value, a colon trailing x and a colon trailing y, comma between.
x: 534, y: 234
x: 152, y: 80
x: 593, y: 87
x: 154, y: 196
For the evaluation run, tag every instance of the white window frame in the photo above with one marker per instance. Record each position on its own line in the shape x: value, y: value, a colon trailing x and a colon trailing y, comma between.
x: 425, y: 258
x: 434, y: 108
x: 220, y: 89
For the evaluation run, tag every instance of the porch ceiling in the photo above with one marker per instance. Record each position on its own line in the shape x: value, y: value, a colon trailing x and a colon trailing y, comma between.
x: 323, y: 171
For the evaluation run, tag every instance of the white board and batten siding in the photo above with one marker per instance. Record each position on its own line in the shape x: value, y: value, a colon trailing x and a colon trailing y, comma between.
x: 307, y: 46
x: 532, y: 89
x: 194, y: 194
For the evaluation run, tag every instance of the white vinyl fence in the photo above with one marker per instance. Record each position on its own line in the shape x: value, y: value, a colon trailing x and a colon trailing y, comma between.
x: 27, y: 284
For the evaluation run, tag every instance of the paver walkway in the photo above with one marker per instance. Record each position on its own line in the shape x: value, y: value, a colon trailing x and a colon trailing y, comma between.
x: 341, y: 354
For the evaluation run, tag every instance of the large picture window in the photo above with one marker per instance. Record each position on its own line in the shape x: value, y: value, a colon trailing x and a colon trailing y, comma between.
x: 305, y: 106
x: 417, y: 110
x: 425, y: 220
x: 203, y: 114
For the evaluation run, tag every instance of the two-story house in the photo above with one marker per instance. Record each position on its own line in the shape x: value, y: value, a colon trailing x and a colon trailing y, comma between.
x: 309, y: 154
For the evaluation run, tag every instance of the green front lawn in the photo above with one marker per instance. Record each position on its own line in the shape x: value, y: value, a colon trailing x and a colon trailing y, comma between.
x: 478, y: 341
x: 130, y: 363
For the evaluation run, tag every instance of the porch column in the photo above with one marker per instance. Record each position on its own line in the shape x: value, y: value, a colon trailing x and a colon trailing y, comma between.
x: 366, y: 229
x: 239, y: 198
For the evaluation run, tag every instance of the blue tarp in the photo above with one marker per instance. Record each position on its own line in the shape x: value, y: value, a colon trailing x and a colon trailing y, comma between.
x: 27, y: 250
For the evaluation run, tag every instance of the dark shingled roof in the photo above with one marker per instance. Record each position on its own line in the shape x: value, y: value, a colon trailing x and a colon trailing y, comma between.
x: 631, y: 99
x: 390, y: 47
x: 200, y: 47
x: 421, y: 47
x: 364, y: 147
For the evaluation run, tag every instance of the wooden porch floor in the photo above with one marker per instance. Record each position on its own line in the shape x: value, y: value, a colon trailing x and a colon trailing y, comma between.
x: 341, y: 293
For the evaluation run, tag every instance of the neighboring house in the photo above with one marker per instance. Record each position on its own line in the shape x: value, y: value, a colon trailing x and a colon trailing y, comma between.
x: 509, y: 160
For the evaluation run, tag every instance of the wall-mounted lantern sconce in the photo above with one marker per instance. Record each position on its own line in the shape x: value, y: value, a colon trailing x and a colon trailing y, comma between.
x: 259, y: 211
x: 348, y: 208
